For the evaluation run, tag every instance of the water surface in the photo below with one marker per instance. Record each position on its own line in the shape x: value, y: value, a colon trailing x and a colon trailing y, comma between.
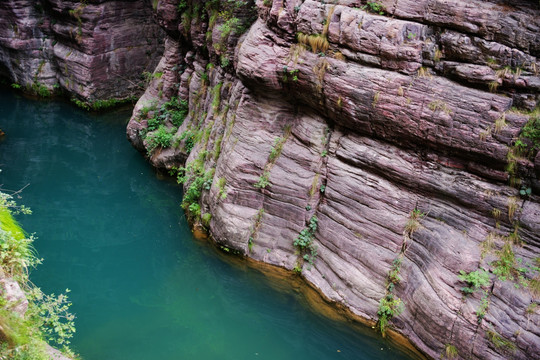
x: 141, y: 285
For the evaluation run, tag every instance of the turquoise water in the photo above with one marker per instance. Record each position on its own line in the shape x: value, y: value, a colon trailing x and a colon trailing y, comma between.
x: 142, y: 286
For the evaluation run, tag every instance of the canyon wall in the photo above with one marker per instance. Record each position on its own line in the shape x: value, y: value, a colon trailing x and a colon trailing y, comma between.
x: 91, y: 50
x: 376, y: 149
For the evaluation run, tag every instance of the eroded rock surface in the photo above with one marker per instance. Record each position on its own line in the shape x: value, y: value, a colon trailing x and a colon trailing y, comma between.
x: 93, y: 50
x: 395, y: 130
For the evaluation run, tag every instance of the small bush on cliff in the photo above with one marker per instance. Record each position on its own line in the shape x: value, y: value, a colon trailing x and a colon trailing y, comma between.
x: 529, y: 140
x: 160, y: 138
x: 263, y: 181
x: 389, y: 307
x: 374, y: 7
x: 304, y: 241
x: 476, y: 280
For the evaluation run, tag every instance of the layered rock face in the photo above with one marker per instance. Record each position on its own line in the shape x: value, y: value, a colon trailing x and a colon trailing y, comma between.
x: 93, y: 49
x: 371, y: 148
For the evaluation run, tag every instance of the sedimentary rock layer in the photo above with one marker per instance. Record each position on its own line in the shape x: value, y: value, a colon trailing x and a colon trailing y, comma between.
x: 93, y: 50
x: 393, y: 127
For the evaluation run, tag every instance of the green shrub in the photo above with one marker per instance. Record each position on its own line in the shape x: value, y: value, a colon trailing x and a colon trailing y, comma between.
x: 389, y: 307
x: 504, y: 267
x: 205, y: 218
x: 374, y: 7
x: 393, y: 275
x: 475, y: 279
x: 190, y: 139
x: 160, y: 138
x: 304, y: 241
x: 263, y: 181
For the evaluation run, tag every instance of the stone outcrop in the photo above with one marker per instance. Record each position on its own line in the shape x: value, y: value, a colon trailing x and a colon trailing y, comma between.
x: 92, y: 50
x: 390, y: 131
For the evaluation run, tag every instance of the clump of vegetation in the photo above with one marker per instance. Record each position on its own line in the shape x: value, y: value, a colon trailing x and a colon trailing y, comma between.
x: 413, y: 223
x: 317, y: 42
x: 389, y: 307
x: 47, y: 317
x: 277, y: 148
x: 100, y: 105
x: 484, y: 305
x: 504, y: 267
x: 257, y: 222
x: 197, y: 180
x: 475, y: 279
x: 221, y: 183
x: 263, y: 181
x: 374, y: 7
x: 528, y: 143
x: 304, y: 241
x: 205, y: 219
x: 162, y: 127
x: 500, y: 342
x: 438, y: 105
x: 450, y: 351
x: 275, y: 152
x: 393, y: 275
x: 161, y: 138
x: 190, y: 139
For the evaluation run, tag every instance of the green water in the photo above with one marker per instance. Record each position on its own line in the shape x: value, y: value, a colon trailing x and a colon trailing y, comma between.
x: 142, y: 286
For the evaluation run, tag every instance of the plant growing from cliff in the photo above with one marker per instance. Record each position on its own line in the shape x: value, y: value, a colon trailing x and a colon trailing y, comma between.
x: 528, y: 143
x: 389, y: 307
x: 317, y: 42
x: 375, y: 7
x: 205, y: 219
x: 500, y: 342
x: 413, y: 223
x: 277, y: 148
x: 504, y: 267
x: 500, y: 124
x: 304, y: 241
x: 190, y: 139
x: 160, y: 138
x: 484, y: 305
x: 221, y: 183
x: 393, y: 275
x: 438, y: 105
x: 263, y: 181
x: 450, y: 351
x: 423, y: 72
x: 217, y: 96
x: 475, y: 280
x: 257, y: 222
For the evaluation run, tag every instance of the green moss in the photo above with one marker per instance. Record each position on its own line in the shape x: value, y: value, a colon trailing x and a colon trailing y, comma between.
x: 9, y: 224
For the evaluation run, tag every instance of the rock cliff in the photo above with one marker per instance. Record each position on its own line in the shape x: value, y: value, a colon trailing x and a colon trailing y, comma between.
x: 92, y: 50
x: 378, y: 149
x: 387, y: 151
